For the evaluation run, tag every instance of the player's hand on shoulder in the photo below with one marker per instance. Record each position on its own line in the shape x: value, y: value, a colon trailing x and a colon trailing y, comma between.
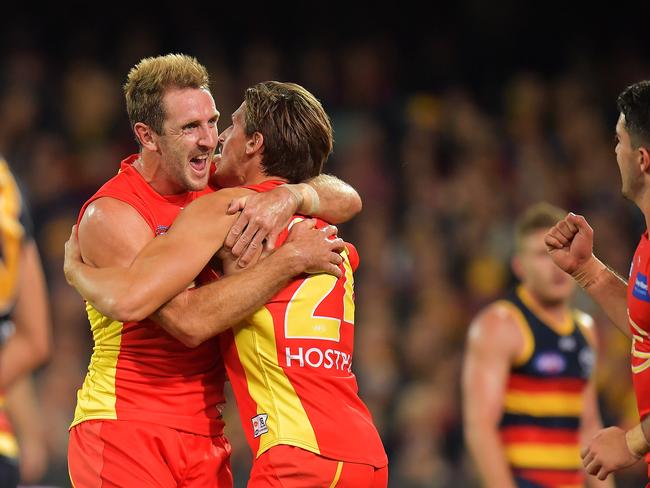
x: 263, y: 217
x: 318, y: 250
x: 72, y: 257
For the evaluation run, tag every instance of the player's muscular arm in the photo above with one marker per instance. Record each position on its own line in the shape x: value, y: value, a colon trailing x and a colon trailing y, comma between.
x: 570, y: 244
x: 590, y: 424
x: 493, y: 343
x: 170, y: 262
x: 196, y: 315
x: 134, y: 278
x: 265, y: 215
x: 29, y: 346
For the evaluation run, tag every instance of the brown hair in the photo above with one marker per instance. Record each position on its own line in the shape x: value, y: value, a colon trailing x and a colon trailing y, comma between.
x: 147, y: 81
x: 540, y: 216
x: 297, y: 132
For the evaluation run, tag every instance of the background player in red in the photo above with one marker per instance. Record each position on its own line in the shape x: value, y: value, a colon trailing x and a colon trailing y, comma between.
x: 528, y: 387
x: 290, y: 361
x: 627, y: 304
x: 149, y: 412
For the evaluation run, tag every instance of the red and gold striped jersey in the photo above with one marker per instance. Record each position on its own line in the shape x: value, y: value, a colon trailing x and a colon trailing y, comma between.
x: 137, y: 370
x: 544, y: 398
x: 290, y: 366
x: 638, y: 306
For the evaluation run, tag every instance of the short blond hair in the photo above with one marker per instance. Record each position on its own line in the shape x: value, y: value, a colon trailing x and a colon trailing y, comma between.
x: 539, y: 216
x: 148, y: 80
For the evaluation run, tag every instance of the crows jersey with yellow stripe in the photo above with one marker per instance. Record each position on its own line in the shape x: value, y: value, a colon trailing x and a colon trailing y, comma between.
x: 544, y: 398
x: 137, y: 370
x: 290, y: 366
x: 15, y: 230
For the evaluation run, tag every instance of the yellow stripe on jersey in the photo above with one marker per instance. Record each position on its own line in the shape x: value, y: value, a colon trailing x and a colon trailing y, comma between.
x: 8, y: 445
x: 287, y: 421
x: 544, y: 404
x: 11, y: 235
x: 527, y: 334
x: 543, y: 456
x: 96, y: 398
x: 337, y: 475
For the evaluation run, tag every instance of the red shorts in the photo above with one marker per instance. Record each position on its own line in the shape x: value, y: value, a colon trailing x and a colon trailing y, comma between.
x: 292, y: 467
x: 125, y: 453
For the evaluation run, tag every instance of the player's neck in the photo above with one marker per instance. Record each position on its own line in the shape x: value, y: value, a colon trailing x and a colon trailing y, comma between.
x: 555, y: 314
x: 151, y: 170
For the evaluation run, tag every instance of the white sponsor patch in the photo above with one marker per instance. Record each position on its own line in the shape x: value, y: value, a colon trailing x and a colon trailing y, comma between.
x: 259, y: 424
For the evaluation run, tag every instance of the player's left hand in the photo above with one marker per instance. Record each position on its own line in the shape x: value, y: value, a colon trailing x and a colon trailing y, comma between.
x: 72, y: 256
x: 607, y: 452
x: 263, y: 216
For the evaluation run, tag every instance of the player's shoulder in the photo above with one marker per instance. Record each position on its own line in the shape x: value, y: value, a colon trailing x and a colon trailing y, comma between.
x: 107, y: 215
x: 583, y: 319
x: 499, y: 317
x: 586, y: 324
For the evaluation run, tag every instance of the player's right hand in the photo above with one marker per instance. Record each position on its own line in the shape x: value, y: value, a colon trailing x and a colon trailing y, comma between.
x: 318, y: 249
x: 570, y: 243
x: 72, y: 256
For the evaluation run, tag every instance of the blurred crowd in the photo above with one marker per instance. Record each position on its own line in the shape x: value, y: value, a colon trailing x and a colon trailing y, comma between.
x: 442, y: 169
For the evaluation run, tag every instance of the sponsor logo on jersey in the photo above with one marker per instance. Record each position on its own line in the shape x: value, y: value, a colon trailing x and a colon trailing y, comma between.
x: 161, y: 229
x: 259, y: 424
x: 550, y: 363
x: 317, y: 358
x: 567, y: 343
x: 640, y: 290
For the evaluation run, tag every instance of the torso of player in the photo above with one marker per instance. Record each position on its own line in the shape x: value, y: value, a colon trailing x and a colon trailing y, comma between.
x: 638, y: 304
x: 291, y: 370
x: 544, y: 396
x: 138, y: 371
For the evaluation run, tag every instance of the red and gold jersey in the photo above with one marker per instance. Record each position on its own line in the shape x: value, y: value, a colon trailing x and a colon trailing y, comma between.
x: 290, y: 366
x: 638, y: 309
x: 137, y: 370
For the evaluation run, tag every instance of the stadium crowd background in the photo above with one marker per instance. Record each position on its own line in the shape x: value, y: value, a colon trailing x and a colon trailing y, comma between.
x: 447, y: 126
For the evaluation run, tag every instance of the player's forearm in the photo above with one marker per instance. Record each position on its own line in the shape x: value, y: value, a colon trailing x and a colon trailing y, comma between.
x: 489, y: 455
x: 29, y: 346
x: 336, y: 201
x: 125, y: 294
x: 608, y: 290
x: 197, y: 315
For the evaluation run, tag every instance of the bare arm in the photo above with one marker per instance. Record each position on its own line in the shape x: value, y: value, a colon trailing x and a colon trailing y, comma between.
x: 590, y: 424
x: 26, y: 420
x: 570, y: 244
x: 265, y: 215
x: 167, y: 264
x: 164, y: 267
x: 29, y: 346
x: 492, y: 345
x: 198, y: 314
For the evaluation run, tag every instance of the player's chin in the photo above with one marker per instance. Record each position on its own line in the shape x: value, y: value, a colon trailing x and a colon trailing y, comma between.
x: 197, y: 182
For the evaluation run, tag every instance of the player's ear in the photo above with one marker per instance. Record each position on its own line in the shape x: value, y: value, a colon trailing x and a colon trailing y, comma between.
x: 146, y: 136
x: 254, y: 143
x: 644, y: 159
x: 515, y: 263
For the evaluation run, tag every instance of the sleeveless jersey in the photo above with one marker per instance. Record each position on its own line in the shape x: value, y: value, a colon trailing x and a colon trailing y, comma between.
x: 290, y: 368
x: 544, y: 398
x: 137, y: 370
